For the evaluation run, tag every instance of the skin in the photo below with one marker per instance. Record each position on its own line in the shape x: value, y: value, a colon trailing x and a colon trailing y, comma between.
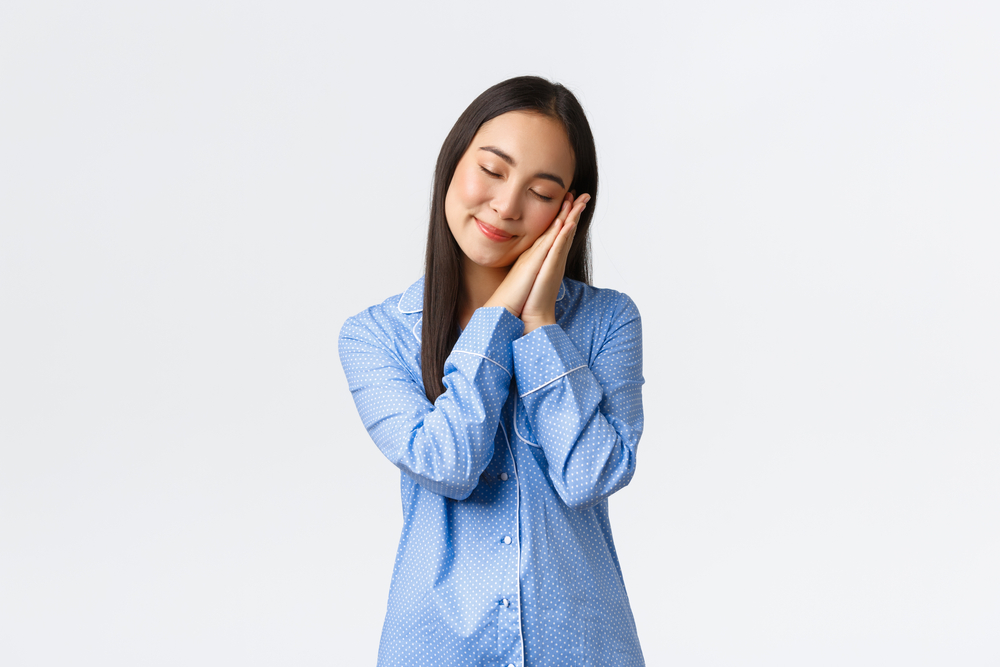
x: 509, y: 208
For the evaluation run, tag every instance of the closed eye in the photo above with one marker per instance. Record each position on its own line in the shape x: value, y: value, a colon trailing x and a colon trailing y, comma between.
x: 489, y: 172
x: 542, y: 197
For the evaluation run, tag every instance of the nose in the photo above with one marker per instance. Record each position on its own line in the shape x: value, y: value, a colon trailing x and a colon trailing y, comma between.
x: 507, y: 202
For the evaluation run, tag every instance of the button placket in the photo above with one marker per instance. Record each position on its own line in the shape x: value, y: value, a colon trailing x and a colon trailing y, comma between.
x: 509, y: 605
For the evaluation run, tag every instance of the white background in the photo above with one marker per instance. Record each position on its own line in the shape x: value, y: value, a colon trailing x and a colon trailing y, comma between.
x: 801, y: 197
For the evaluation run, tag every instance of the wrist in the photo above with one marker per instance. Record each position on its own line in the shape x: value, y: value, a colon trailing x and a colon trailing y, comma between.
x: 494, y: 302
x: 532, y: 323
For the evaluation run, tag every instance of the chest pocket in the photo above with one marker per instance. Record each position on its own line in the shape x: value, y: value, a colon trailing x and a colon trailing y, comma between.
x: 521, y: 427
x: 522, y: 430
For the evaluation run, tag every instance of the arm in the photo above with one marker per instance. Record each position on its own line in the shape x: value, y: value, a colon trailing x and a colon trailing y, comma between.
x: 446, y: 445
x: 587, y: 418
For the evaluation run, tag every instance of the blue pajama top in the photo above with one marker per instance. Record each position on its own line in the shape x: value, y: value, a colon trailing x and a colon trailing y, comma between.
x: 506, y: 555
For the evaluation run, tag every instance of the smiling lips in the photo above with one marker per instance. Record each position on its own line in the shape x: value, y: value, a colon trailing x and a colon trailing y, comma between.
x: 491, y: 232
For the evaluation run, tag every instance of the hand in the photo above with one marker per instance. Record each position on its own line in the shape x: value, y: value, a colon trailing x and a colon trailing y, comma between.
x: 529, y: 291
x: 513, y: 291
x: 539, y: 307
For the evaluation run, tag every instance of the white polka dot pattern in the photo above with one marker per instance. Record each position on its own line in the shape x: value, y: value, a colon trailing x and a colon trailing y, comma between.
x: 506, y: 555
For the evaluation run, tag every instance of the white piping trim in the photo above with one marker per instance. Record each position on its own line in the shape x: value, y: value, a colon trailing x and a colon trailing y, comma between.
x: 517, y: 516
x: 523, y: 439
x: 552, y: 380
x: 414, y: 329
x: 562, y: 292
x: 487, y: 359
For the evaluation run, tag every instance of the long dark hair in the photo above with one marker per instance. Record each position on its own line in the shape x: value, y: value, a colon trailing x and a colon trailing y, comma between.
x: 443, y: 262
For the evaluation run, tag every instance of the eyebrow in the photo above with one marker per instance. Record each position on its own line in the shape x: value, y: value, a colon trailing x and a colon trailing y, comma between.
x: 509, y: 160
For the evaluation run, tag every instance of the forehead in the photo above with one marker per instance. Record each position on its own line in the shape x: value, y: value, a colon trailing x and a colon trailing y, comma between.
x: 536, y: 142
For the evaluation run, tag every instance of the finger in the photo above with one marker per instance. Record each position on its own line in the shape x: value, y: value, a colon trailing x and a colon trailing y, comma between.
x: 532, y: 259
x: 564, y: 212
x: 578, y: 207
x: 568, y: 232
x: 535, y: 255
x: 555, y: 258
x: 561, y: 245
x: 569, y: 199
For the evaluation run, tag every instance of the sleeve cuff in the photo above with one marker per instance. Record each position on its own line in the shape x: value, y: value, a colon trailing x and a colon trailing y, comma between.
x: 543, y: 356
x: 489, y: 334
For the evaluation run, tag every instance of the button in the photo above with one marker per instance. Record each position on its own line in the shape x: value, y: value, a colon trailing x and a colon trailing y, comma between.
x: 503, y: 476
x: 511, y: 665
x: 506, y: 602
x: 506, y: 540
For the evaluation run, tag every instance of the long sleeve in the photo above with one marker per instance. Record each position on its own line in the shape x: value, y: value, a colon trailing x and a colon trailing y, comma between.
x: 586, y: 417
x: 443, y: 446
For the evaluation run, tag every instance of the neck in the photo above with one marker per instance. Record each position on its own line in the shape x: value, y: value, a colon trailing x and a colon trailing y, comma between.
x: 478, y: 285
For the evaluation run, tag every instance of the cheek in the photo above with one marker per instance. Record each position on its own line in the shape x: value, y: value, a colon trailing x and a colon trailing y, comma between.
x: 468, y: 188
x: 539, y: 220
x: 456, y: 200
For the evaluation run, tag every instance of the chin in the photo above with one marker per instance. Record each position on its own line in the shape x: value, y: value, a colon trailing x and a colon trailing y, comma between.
x: 490, y: 264
x: 489, y: 261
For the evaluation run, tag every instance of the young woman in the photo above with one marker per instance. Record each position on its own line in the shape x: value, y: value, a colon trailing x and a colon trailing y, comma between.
x: 507, y: 391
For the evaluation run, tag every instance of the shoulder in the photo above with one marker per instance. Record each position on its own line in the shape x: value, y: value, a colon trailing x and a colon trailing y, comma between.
x: 390, y: 322
x: 595, y: 317
x: 596, y: 302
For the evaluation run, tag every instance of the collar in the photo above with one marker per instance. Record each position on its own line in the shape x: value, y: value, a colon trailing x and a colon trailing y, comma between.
x: 412, y: 300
